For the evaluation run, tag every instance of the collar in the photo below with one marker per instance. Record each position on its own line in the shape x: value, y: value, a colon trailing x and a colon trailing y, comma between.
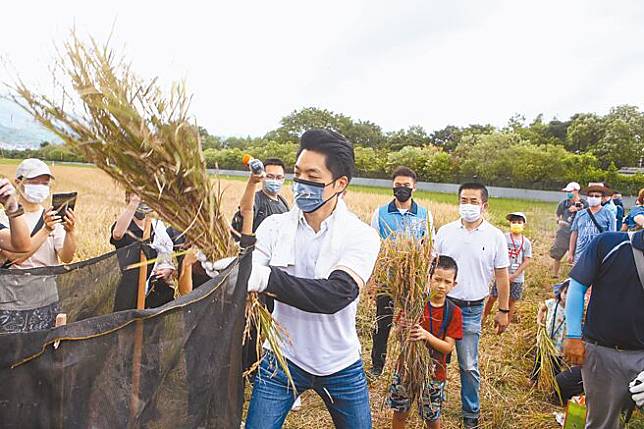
x: 391, y: 208
x: 284, y: 253
x: 481, y: 227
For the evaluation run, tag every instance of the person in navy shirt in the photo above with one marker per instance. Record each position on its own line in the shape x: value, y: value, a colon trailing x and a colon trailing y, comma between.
x: 611, y: 348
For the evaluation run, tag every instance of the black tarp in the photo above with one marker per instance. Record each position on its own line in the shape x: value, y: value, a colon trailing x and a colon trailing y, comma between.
x: 175, y: 366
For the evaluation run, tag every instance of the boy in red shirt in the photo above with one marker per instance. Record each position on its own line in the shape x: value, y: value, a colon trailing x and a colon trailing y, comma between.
x: 440, y: 328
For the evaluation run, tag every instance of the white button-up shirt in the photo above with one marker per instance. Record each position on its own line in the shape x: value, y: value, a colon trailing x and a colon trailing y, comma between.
x: 477, y: 253
x: 321, y: 344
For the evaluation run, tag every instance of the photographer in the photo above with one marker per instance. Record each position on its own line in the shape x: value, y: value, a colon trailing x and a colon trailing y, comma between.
x: 566, y: 212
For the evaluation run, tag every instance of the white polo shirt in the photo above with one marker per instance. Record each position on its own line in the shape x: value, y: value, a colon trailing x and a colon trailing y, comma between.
x: 477, y: 253
x: 321, y: 344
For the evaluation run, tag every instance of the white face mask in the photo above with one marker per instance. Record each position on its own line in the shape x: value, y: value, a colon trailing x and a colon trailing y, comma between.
x: 469, y: 212
x: 594, y: 201
x: 36, y: 193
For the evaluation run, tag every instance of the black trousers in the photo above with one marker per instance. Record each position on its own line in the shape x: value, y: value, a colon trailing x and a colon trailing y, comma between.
x: 384, y: 319
x: 569, y: 380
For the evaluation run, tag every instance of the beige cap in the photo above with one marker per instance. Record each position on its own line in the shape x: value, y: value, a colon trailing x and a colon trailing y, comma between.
x: 32, y: 167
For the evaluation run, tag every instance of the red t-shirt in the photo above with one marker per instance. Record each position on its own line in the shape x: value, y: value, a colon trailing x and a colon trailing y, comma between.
x: 454, y: 330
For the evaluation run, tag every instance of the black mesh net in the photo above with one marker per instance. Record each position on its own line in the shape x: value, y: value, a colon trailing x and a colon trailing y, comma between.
x: 178, y: 365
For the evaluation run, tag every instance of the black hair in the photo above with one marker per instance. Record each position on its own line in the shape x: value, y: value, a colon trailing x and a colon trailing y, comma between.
x: 513, y: 218
x: 274, y: 161
x: 477, y: 187
x: 444, y: 262
x: 338, y: 151
x: 562, y: 287
x: 404, y: 172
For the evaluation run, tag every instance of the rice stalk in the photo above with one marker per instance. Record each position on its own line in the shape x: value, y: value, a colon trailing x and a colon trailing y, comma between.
x: 402, y: 272
x: 145, y: 141
x: 547, y: 357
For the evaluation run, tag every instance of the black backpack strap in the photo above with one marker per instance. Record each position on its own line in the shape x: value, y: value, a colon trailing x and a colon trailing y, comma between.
x: 592, y: 217
x: 39, y: 225
x: 281, y: 198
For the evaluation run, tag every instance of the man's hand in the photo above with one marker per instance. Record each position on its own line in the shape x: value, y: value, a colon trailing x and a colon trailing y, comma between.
x: 636, y: 387
x: 574, y: 351
x: 8, y: 195
x: 417, y: 333
x: 51, y: 219
x: 69, y: 221
x: 255, y: 178
x: 501, y: 321
x: 571, y: 258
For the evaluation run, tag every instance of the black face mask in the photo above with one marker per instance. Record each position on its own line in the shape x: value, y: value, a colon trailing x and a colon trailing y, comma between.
x: 402, y: 193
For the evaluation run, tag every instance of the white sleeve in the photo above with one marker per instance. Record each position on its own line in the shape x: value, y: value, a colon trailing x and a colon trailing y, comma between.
x: 360, y: 255
x: 438, y: 242
x: 501, y: 258
x: 264, y: 244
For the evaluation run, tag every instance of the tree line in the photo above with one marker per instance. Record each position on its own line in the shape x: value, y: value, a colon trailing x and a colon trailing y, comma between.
x: 536, y: 154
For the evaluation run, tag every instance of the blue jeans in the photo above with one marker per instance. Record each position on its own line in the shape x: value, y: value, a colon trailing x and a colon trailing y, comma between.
x: 345, y: 395
x: 467, y: 351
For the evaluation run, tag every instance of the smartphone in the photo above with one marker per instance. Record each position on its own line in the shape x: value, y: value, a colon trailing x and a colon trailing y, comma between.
x: 63, y: 201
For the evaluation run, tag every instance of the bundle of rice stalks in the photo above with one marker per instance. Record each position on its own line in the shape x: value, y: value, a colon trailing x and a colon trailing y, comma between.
x: 140, y: 137
x: 547, y: 357
x: 145, y: 141
x: 402, y: 273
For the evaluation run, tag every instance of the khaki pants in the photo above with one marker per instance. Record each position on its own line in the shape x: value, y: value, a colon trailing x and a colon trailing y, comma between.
x: 606, y: 373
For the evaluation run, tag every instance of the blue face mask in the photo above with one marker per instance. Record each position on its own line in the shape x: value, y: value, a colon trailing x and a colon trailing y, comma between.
x: 308, y: 195
x: 273, y: 186
x: 570, y: 195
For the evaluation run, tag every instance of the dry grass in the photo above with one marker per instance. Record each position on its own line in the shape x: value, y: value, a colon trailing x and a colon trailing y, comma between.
x: 508, y: 400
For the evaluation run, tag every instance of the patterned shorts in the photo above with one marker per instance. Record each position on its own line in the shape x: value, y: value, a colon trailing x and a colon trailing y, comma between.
x: 429, y: 405
x: 516, y: 291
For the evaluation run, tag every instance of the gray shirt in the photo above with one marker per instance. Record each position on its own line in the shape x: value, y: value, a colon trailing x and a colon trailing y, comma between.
x: 518, y: 251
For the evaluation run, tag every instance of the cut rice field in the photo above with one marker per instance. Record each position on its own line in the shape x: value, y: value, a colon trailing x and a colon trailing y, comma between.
x: 507, y: 398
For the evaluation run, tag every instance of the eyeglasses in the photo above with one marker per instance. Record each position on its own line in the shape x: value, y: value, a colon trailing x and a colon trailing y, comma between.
x: 274, y: 177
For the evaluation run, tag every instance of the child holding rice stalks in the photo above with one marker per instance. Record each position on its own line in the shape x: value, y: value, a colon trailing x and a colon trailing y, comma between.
x: 439, y: 328
x: 550, y: 371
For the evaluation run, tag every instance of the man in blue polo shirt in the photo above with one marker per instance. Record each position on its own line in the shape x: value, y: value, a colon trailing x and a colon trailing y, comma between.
x: 400, y: 216
x: 612, y: 348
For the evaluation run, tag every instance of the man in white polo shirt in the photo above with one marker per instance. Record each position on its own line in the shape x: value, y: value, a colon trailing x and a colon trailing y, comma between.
x: 313, y: 260
x: 480, y: 250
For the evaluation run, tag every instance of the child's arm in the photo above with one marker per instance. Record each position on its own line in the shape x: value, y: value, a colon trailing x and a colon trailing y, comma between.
x: 521, y: 268
x: 443, y: 346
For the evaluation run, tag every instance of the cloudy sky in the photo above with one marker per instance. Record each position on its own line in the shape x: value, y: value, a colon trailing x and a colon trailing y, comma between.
x: 396, y: 63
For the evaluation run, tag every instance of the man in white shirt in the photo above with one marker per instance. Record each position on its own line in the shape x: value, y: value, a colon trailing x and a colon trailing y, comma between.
x: 480, y: 250
x: 313, y: 260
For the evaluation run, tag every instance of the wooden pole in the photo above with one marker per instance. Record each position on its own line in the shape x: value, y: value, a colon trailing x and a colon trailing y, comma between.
x: 138, y: 328
x: 61, y: 319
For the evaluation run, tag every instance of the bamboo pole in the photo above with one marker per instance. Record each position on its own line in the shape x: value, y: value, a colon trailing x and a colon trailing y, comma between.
x: 138, y: 329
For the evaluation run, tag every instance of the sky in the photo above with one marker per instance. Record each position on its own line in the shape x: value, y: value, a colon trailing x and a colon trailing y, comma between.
x: 401, y: 63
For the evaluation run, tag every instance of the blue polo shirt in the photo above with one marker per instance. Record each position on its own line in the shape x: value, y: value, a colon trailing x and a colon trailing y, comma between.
x: 388, y: 220
x: 615, y: 315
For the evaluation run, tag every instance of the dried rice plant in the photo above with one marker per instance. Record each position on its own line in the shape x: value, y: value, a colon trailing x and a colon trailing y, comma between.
x: 547, y: 357
x: 137, y: 135
x: 145, y: 141
x: 402, y: 272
